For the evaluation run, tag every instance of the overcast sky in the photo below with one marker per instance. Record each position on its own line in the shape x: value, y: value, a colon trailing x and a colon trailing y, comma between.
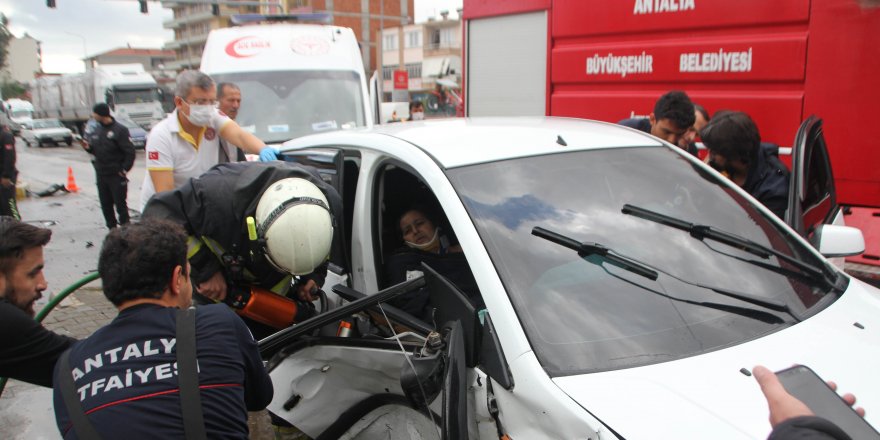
x: 77, y: 27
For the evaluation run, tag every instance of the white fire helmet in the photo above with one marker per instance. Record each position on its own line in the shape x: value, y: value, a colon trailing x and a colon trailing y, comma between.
x: 293, y: 217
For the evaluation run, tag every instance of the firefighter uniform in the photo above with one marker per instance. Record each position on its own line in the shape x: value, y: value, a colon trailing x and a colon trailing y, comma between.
x: 214, y: 208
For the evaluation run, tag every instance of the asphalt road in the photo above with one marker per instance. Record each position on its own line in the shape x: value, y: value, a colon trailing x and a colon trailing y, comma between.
x: 39, y: 168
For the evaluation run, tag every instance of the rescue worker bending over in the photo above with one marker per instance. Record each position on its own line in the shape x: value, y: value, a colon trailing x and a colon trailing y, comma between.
x: 253, y: 224
x: 736, y: 150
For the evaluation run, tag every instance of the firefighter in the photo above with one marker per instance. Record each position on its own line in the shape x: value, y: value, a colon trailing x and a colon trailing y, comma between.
x: 255, y: 225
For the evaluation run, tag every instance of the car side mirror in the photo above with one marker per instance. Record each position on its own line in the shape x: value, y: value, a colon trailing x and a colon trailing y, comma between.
x: 838, y: 241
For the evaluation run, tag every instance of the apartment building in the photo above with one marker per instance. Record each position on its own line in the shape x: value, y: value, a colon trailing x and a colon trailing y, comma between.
x: 430, y: 52
x: 23, y: 59
x: 193, y: 21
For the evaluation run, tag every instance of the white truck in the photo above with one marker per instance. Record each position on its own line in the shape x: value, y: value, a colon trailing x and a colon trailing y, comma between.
x: 295, y: 79
x: 18, y: 111
x: 131, y: 92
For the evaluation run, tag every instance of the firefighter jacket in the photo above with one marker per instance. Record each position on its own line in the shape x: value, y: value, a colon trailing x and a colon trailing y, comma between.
x: 214, y: 209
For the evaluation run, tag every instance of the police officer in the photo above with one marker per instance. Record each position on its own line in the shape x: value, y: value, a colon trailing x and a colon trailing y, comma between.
x: 8, y: 173
x: 113, y: 152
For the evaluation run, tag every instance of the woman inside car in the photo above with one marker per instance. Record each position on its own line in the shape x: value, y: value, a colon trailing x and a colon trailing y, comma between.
x: 424, y: 241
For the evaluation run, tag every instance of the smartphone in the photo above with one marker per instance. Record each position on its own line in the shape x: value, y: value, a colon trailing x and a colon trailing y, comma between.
x: 804, y: 384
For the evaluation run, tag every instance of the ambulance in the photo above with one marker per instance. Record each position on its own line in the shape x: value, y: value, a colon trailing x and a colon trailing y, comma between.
x: 295, y: 79
x: 781, y: 62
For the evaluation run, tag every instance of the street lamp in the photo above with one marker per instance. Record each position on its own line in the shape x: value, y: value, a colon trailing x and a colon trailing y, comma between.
x: 85, y: 52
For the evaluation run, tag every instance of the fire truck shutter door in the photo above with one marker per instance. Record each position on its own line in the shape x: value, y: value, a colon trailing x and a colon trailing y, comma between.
x: 507, y: 65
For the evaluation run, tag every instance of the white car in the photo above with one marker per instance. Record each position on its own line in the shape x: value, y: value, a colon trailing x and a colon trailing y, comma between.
x: 625, y: 289
x: 45, y: 131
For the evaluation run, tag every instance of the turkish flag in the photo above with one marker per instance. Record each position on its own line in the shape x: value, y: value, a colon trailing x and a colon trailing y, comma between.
x: 153, y: 155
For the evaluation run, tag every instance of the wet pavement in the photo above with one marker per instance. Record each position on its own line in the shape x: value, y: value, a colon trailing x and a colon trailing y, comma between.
x: 26, y: 411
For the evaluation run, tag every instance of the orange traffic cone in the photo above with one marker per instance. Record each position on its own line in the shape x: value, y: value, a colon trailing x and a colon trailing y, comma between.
x: 71, y: 182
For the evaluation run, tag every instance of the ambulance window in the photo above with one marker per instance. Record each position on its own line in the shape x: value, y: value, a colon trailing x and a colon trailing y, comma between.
x: 404, y: 199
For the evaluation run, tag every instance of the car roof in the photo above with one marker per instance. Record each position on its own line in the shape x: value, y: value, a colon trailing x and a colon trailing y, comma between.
x: 466, y: 141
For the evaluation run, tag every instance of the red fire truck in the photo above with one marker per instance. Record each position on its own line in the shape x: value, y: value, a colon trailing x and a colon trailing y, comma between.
x: 779, y: 61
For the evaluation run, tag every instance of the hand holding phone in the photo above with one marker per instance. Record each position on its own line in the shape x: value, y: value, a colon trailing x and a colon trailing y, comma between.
x: 798, y: 391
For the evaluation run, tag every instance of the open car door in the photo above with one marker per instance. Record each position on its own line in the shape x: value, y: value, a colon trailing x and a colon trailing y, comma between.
x: 329, y: 162
x: 812, y: 200
x: 412, y: 385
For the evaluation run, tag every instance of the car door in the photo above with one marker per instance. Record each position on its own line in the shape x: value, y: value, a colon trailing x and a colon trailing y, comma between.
x: 330, y: 162
x: 812, y: 200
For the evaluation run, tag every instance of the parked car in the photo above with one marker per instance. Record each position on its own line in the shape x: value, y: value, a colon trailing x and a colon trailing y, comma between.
x: 624, y: 288
x: 45, y: 131
x: 138, y: 135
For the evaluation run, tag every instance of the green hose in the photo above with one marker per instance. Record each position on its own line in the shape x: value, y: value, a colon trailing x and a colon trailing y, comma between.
x: 54, y: 302
x: 65, y: 293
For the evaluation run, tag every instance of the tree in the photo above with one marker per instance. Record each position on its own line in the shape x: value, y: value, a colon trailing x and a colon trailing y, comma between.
x: 13, y: 89
x: 5, y: 36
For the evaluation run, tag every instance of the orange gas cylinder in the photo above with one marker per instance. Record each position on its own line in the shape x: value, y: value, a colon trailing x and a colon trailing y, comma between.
x: 262, y: 306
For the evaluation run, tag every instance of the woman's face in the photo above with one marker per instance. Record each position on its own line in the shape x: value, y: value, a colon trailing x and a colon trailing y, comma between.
x: 416, y: 227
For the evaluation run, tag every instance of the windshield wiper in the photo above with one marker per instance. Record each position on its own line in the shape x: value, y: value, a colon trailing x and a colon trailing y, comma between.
x: 584, y: 250
x: 701, y: 232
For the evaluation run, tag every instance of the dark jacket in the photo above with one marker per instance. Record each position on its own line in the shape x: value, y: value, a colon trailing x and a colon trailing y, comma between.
x: 807, y: 428
x: 28, y: 351
x: 641, y: 124
x: 768, y: 179
x: 126, y: 375
x: 217, y: 204
x: 111, y: 145
x: 405, y: 263
x: 7, y: 156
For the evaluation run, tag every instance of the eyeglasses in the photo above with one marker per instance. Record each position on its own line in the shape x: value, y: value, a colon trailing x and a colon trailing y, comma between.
x: 212, y: 103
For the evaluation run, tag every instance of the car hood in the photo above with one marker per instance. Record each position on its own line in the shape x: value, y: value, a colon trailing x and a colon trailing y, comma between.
x: 708, y: 396
x: 137, y: 133
x: 51, y: 131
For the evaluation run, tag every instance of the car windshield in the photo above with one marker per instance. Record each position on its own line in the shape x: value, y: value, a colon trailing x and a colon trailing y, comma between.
x: 49, y: 123
x: 279, y: 106
x: 22, y: 113
x: 587, y: 313
x: 135, y: 96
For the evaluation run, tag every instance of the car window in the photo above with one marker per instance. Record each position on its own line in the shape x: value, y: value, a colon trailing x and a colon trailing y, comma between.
x: 405, y: 199
x: 585, y: 314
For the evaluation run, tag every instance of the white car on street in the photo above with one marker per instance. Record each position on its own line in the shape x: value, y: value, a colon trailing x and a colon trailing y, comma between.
x: 624, y: 289
x: 45, y: 131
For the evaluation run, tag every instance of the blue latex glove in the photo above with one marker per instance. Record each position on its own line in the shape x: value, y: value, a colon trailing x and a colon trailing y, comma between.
x: 268, y: 154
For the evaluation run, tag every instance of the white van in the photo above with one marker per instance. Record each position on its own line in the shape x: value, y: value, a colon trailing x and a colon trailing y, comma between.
x: 295, y: 79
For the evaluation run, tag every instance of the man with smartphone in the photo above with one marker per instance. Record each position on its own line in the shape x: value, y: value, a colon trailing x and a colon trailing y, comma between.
x: 791, y: 418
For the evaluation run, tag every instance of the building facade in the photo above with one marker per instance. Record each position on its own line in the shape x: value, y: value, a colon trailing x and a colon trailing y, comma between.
x: 155, y: 61
x: 366, y: 18
x: 23, y: 60
x: 431, y: 54
x: 193, y: 21
x: 191, y: 24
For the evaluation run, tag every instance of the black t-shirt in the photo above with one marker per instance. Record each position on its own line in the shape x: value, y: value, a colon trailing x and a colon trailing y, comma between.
x: 28, y: 351
x: 126, y: 375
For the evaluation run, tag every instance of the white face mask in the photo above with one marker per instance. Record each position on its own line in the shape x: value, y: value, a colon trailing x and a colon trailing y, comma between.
x: 200, y: 114
x: 430, y: 245
x: 418, y: 116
